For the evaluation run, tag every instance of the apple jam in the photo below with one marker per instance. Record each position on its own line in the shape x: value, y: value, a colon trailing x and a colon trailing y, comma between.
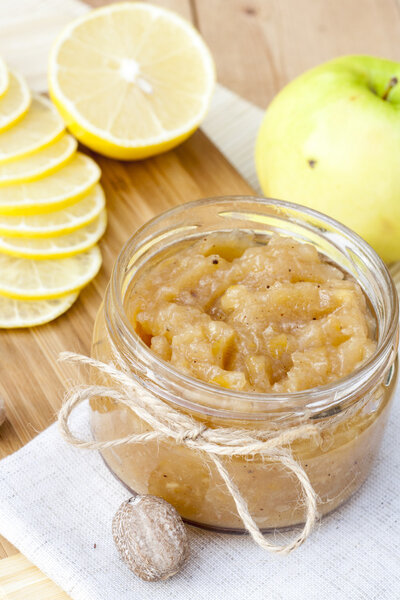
x: 263, y: 317
x: 243, y: 328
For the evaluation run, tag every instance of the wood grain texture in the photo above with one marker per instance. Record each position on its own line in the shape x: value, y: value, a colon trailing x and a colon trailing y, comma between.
x: 258, y: 45
x: 183, y: 7
x: 21, y: 580
x: 31, y: 381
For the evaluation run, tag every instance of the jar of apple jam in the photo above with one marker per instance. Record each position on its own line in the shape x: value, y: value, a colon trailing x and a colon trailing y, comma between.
x: 255, y: 314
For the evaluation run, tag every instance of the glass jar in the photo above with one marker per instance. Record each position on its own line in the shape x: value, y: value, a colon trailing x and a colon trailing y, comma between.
x: 350, y: 413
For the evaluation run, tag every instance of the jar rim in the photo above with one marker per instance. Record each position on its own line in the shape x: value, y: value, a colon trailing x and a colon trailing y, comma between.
x: 312, y: 398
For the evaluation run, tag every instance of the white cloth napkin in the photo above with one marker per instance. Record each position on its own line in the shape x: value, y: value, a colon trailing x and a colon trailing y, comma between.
x: 57, y: 503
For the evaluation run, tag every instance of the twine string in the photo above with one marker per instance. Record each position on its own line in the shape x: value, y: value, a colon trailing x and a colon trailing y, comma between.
x: 166, y: 423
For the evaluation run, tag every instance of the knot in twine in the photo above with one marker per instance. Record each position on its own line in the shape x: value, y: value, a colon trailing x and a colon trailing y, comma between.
x: 167, y: 423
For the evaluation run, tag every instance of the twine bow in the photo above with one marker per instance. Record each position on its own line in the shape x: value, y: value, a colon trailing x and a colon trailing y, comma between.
x: 167, y: 423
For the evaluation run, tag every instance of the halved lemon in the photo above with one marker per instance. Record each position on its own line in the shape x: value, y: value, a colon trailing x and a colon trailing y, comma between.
x: 58, y: 222
x: 15, y: 102
x: 29, y: 313
x: 40, y: 126
x: 131, y: 79
x: 4, y: 77
x: 29, y: 279
x: 64, y: 187
x: 59, y: 246
x: 40, y: 163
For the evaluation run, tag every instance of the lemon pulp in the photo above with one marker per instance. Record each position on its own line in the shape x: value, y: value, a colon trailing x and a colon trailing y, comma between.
x: 29, y: 313
x: 131, y: 79
x: 15, y: 102
x: 57, y: 222
x: 63, y: 187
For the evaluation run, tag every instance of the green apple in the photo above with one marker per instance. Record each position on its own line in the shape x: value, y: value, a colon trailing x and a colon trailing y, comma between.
x: 330, y: 140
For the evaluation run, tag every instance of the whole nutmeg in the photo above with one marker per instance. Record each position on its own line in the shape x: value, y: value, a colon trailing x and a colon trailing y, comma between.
x: 151, y: 537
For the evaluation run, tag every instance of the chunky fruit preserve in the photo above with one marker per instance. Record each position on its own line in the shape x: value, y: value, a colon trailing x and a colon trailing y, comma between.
x: 256, y: 315
x: 263, y: 316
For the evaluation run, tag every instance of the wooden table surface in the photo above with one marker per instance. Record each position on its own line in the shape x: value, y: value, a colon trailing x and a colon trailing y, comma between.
x: 260, y: 45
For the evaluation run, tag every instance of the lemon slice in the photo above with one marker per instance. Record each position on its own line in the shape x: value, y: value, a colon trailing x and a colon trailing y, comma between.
x: 56, y: 247
x: 15, y: 102
x: 60, y: 189
x: 40, y: 126
x: 4, y: 77
x: 40, y: 163
x: 28, y: 313
x: 29, y: 279
x: 131, y: 79
x: 58, y: 222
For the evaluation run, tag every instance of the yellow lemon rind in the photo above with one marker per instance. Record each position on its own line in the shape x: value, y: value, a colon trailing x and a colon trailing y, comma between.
x: 35, y: 176
x: 48, y: 295
x: 61, y: 253
x: 113, y: 150
x: 22, y: 109
x: 62, y: 230
x: 60, y: 309
x: 103, y: 142
x: 44, y: 143
x: 45, y: 208
x: 36, y: 208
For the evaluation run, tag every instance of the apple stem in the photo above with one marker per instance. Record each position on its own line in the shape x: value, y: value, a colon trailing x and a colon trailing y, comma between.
x: 392, y: 82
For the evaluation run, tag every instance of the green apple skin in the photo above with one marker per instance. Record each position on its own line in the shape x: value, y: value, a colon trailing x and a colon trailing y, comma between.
x: 330, y: 141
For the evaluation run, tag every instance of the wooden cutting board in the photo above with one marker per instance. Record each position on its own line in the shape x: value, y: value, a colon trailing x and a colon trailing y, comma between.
x: 21, y: 580
x: 31, y: 380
